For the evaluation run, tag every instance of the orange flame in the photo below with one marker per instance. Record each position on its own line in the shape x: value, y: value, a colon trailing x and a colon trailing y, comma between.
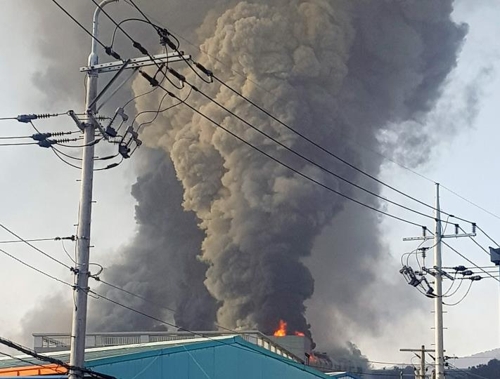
x: 281, y: 332
x: 299, y: 334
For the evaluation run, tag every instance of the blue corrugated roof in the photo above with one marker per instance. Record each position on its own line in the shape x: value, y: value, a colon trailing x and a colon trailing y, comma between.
x: 235, y: 342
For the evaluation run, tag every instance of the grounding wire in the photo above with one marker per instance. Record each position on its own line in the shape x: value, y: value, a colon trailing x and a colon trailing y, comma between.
x: 288, y: 166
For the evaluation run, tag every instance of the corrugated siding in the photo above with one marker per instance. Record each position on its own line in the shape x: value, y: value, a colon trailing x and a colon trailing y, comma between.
x: 213, y: 362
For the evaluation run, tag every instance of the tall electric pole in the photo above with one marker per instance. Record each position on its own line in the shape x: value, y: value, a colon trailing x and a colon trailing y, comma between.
x: 422, y: 351
x: 438, y: 300
x: 438, y: 274
x: 79, y: 327
x: 81, y: 288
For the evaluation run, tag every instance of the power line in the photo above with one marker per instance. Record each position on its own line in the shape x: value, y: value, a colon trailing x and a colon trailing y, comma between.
x: 149, y: 18
x: 36, y: 269
x: 34, y: 247
x: 463, y: 297
x: 57, y: 369
x: 19, y: 144
x: 471, y: 202
x: 107, y: 49
x: 487, y: 236
x: 302, y: 156
x: 72, y: 238
x: 144, y: 51
x: 48, y: 359
x: 99, y: 296
x: 135, y: 43
x: 288, y: 166
x: 471, y: 262
x: 466, y: 372
x: 319, y: 146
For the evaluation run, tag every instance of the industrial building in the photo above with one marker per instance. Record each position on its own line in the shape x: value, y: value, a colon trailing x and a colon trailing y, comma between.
x: 175, y: 355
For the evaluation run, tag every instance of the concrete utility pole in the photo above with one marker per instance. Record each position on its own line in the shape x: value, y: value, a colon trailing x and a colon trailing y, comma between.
x: 438, y: 274
x: 422, y: 351
x: 78, y: 334
x: 438, y: 300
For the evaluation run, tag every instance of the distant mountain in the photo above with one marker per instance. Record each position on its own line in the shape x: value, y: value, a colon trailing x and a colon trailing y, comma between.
x: 476, y: 359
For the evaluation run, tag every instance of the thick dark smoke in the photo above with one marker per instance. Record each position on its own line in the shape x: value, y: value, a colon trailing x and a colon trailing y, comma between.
x: 343, y: 72
x: 165, y: 248
x: 337, y: 71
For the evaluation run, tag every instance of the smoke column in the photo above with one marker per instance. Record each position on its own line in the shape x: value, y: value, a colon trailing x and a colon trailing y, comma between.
x: 335, y: 71
x: 341, y: 72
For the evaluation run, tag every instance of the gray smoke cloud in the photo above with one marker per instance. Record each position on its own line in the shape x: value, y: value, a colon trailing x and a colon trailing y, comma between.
x: 165, y: 248
x: 341, y: 72
x: 337, y: 71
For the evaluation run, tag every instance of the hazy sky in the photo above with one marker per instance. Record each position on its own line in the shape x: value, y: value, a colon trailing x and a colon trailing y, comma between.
x: 40, y: 194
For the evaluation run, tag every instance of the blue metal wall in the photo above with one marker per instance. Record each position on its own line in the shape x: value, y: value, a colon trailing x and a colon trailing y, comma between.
x: 228, y: 359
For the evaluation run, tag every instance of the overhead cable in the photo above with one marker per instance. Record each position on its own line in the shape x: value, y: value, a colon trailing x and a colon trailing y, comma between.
x: 317, y: 182
x: 34, y: 247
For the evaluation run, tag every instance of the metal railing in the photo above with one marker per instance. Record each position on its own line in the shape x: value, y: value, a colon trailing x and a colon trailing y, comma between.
x: 51, y: 342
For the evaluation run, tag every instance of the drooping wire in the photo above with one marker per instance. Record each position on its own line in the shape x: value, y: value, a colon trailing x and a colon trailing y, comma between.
x: 68, y: 254
x: 112, y: 43
x: 159, y: 111
x: 135, y: 43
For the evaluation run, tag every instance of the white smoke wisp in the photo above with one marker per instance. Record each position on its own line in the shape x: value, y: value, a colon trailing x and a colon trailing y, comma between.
x: 336, y: 71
